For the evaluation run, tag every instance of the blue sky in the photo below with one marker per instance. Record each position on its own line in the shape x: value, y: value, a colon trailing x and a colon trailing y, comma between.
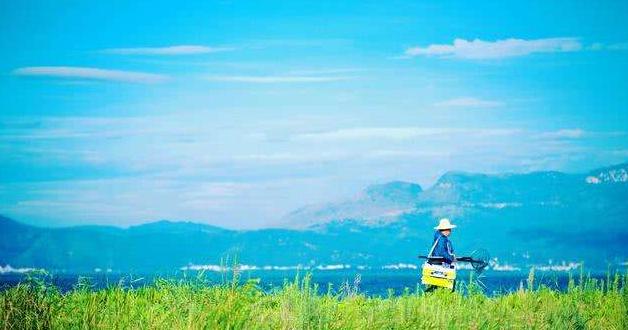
x: 235, y: 113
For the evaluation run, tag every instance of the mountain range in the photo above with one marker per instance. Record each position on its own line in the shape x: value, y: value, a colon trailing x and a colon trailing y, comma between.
x: 521, y: 219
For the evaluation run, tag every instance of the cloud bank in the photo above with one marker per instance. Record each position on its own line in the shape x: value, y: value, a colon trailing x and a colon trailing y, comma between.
x: 232, y: 175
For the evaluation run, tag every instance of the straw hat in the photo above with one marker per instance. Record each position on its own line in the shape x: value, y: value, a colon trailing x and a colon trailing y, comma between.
x: 444, y: 224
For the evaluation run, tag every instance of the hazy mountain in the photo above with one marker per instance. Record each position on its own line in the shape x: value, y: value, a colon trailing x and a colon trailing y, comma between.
x: 520, y: 218
x: 377, y: 203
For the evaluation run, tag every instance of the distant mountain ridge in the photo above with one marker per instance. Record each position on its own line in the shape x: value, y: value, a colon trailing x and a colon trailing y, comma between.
x: 520, y: 218
x: 456, y: 189
x: 612, y: 174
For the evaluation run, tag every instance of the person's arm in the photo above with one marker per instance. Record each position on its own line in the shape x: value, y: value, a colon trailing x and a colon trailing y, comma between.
x: 448, y: 252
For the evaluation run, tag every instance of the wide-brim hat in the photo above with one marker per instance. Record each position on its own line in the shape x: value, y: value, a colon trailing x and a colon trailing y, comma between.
x: 444, y: 224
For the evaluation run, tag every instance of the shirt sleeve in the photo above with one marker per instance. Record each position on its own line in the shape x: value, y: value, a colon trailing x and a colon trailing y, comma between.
x: 447, y: 251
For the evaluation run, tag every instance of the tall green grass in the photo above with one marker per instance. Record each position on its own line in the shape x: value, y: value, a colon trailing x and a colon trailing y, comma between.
x: 298, y: 304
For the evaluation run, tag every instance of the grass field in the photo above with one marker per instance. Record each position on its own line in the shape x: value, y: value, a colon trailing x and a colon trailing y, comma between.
x: 193, y: 304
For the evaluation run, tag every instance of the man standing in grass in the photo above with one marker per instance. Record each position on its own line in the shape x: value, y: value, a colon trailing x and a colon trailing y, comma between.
x: 441, y: 246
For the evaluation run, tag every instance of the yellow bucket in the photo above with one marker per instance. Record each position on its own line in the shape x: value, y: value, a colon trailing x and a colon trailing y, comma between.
x: 437, y: 275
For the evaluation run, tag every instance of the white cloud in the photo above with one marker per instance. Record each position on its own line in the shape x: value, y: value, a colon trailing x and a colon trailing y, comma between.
x: 618, y: 46
x: 564, y: 134
x: 291, y: 158
x: 138, y: 199
x: 405, y: 154
x: 324, y: 71
x: 171, y: 50
x: 578, y: 133
x: 278, y: 79
x: 396, y: 133
x: 393, y: 133
x: 613, y: 47
x: 90, y: 74
x: 480, y: 49
x: 469, y: 102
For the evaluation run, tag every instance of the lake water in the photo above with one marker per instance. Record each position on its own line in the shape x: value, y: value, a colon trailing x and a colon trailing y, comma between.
x: 380, y: 282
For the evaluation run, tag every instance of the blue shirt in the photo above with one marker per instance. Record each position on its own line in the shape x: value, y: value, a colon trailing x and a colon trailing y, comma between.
x: 443, y: 247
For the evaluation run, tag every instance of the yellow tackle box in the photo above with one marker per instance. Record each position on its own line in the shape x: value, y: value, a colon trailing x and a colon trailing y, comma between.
x: 438, y: 275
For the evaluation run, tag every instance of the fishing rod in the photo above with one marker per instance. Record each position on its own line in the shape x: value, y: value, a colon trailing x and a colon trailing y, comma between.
x: 479, y: 260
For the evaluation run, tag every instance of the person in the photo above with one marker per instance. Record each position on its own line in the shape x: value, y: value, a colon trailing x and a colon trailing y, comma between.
x: 441, y: 246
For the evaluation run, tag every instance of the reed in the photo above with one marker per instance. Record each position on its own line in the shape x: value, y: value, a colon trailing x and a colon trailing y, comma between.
x: 298, y: 304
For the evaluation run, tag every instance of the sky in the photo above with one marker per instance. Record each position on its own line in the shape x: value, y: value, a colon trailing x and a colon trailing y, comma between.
x: 234, y: 113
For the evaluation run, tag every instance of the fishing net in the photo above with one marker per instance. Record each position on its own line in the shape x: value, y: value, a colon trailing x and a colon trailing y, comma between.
x: 479, y: 260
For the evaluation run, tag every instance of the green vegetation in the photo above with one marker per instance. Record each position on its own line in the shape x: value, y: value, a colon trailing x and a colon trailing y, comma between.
x: 193, y: 304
